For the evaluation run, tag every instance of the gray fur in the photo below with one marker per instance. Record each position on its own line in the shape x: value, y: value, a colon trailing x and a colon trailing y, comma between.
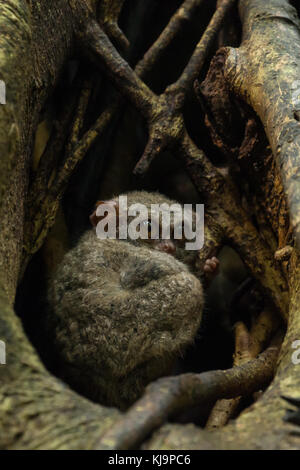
x: 120, y: 313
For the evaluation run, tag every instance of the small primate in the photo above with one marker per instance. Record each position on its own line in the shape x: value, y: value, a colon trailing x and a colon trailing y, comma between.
x: 120, y: 311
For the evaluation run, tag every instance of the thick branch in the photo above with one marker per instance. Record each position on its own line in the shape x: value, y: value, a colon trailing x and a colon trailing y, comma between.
x: 170, y: 395
x: 270, y: 84
x: 97, y: 44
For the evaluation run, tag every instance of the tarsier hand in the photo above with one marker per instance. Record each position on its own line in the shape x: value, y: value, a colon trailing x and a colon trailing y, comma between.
x: 211, y: 267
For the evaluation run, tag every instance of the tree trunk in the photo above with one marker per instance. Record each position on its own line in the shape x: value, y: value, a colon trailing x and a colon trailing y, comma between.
x: 37, y: 410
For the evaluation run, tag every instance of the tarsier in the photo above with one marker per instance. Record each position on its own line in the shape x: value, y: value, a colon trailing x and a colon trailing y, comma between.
x: 121, y: 311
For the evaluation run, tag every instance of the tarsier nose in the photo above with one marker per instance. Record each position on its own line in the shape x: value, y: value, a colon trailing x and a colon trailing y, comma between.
x: 168, y: 247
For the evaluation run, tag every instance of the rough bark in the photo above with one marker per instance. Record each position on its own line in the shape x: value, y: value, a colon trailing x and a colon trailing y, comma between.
x: 31, y: 400
x: 269, y: 83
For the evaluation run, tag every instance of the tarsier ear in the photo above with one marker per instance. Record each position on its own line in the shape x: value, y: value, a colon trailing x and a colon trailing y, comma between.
x: 94, y: 218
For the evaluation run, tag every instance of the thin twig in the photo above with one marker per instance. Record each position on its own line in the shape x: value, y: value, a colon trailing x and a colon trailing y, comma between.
x: 97, y: 44
x: 80, y: 113
x: 108, y: 15
x: 178, y: 21
x: 195, y: 64
x: 79, y: 151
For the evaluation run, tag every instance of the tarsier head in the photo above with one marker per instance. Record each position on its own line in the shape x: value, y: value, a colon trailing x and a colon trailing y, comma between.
x: 163, y: 225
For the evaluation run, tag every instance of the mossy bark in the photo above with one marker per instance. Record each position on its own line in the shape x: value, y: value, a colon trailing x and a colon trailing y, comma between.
x: 37, y: 411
